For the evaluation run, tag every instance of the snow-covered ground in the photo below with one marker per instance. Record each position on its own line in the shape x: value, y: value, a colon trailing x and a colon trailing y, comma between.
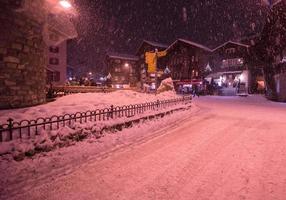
x: 50, y: 139
x: 81, y: 103
x: 223, y: 148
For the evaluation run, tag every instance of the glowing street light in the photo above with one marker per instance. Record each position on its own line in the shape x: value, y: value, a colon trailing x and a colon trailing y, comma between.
x: 126, y: 65
x: 65, y: 4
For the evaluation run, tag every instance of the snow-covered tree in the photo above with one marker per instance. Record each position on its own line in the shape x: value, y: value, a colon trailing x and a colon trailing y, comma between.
x: 271, y: 48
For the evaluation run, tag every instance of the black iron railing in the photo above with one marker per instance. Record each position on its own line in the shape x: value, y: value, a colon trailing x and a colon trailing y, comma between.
x: 30, y: 128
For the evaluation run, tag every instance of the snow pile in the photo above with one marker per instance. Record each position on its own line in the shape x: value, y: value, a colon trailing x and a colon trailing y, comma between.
x: 166, y: 85
x: 48, y: 140
x: 45, y: 142
x: 29, y: 173
x: 81, y: 103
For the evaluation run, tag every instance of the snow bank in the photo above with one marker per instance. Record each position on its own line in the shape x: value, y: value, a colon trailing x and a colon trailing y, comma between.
x: 81, y: 103
x: 48, y: 140
x: 49, y: 165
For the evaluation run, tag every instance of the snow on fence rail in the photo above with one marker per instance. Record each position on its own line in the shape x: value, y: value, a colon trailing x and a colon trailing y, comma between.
x: 80, y: 89
x: 29, y: 128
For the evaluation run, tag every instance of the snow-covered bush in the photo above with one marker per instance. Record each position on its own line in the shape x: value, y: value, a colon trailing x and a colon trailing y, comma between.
x: 166, y: 85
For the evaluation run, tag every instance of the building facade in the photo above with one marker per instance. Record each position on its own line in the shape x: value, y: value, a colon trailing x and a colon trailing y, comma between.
x: 57, y: 62
x: 229, y: 69
x: 23, y: 49
x: 186, y: 62
x: 149, y: 46
x: 22, y: 57
x: 123, y: 70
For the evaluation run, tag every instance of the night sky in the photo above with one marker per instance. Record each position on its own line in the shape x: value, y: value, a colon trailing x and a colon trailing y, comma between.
x: 121, y: 25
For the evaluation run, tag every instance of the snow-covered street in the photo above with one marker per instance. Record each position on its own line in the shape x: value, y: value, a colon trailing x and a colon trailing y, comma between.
x: 224, y: 148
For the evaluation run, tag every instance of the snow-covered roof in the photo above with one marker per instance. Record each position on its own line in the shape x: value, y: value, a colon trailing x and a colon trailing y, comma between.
x: 190, y: 43
x: 155, y: 44
x: 123, y: 56
x: 232, y: 42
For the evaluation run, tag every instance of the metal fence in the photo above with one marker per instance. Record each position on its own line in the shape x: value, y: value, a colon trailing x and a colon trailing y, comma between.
x: 30, y: 128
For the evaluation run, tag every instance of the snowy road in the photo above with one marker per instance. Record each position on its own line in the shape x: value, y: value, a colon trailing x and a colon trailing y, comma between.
x: 233, y: 148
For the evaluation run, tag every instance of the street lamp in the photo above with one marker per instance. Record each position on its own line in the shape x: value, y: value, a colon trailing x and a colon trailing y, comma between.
x: 127, y: 67
x: 65, y: 4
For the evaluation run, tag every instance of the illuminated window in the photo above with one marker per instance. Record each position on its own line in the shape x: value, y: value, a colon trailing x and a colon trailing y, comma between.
x: 193, y: 58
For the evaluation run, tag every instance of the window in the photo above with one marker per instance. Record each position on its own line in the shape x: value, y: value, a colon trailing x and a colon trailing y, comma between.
x: 230, y: 50
x: 49, y: 76
x: 53, y: 76
x: 57, y: 76
x: 117, y: 61
x: 54, y: 61
x: 197, y: 58
x: 54, y: 37
x: 54, y: 49
x: 117, y: 69
x: 232, y: 62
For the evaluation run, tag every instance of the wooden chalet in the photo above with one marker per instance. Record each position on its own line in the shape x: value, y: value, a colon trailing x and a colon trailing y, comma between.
x: 229, y: 68
x: 187, y: 61
x: 149, y: 46
x: 123, y: 69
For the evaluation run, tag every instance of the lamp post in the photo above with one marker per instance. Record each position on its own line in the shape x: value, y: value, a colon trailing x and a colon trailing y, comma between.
x: 65, y: 4
x: 127, y: 66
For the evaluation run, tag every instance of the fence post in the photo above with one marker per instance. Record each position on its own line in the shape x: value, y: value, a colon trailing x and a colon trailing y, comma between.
x: 1, y: 136
x: 10, y: 126
x: 111, y: 111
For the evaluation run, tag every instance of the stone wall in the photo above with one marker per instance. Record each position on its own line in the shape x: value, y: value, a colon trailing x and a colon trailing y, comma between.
x: 22, y: 58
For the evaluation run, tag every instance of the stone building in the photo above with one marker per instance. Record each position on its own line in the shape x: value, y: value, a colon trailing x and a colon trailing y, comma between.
x: 24, y: 26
